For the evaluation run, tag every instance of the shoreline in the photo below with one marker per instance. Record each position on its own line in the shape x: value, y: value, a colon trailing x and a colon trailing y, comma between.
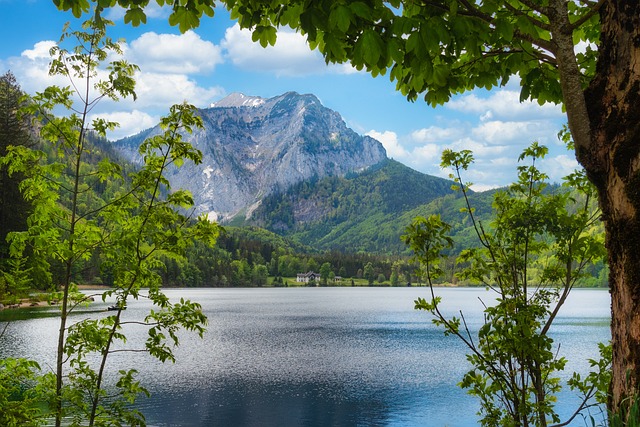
x: 30, y: 303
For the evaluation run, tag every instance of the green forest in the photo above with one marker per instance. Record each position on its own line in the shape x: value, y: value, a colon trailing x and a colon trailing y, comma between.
x: 87, y: 218
x: 360, y: 221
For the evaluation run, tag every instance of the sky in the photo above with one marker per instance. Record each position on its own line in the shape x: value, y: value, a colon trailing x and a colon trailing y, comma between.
x: 217, y: 59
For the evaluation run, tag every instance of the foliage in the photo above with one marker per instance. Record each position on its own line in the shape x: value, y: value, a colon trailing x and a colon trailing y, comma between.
x: 357, y: 213
x: 443, y: 47
x: 131, y: 232
x: 14, y: 131
x: 513, y: 359
x: 20, y: 393
x: 325, y: 271
x: 629, y: 416
x: 369, y: 273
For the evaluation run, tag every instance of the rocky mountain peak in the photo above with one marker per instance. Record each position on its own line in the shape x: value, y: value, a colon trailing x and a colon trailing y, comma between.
x: 253, y: 147
x: 238, y: 99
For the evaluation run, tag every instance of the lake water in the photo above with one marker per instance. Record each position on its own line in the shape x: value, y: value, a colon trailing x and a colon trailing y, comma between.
x: 319, y: 357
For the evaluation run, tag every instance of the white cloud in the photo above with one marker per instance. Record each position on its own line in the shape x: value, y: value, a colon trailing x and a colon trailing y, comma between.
x: 559, y: 166
x: 427, y: 153
x: 582, y: 46
x: 153, y: 10
x: 289, y: 57
x: 131, y: 122
x: 486, y: 116
x: 31, y: 68
x: 437, y: 134
x: 156, y: 90
x: 169, y: 53
x: 40, y: 51
x: 390, y: 143
x: 422, y: 157
x: 496, y: 128
x: 166, y: 61
x: 503, y: 104
x: 480, y: 150
x: 499, y: 132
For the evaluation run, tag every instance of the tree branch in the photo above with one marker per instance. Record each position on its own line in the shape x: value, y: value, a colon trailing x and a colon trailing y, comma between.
x: 531, y: 5
x: 538, y: 23
x: 595, y: 8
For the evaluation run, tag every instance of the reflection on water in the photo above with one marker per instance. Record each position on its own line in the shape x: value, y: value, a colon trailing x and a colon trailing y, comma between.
x: 319, y: 357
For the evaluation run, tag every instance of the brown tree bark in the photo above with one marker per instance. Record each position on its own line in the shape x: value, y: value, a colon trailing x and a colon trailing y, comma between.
x: 612, y: 161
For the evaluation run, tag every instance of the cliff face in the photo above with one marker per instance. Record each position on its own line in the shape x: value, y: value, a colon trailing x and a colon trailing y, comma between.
x: 253, y: 147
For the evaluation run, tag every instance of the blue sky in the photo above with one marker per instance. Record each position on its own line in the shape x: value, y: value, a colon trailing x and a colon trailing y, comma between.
x: 217, y: 59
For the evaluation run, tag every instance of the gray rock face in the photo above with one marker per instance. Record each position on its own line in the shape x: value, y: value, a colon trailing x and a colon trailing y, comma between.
x: 253, y: 146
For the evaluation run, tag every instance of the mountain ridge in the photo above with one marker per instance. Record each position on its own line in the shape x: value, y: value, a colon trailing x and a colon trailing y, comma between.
x: 365, y: 212
x: 253, y: 147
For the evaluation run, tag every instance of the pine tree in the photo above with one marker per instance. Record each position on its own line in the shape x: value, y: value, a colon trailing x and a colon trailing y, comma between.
x: 14, y: 130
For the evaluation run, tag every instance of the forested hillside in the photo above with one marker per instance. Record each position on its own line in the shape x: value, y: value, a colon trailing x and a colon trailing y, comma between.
x: 353, y: 224
x: 253, y: 146
x: 358, y: 213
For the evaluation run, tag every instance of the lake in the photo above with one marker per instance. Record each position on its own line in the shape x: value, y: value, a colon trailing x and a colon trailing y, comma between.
x: 320, y: 357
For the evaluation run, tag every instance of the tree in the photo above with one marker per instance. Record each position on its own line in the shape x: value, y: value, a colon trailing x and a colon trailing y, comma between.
x: 14, y: 130
x: 260, y: 274
x: 325, y: 271
x: 369, y: 273
x: 240, y: 272
x: 342, y: 272
x: 19, y: 394
x: 443, y: 47
x: 133, y: 231
x: 514, y: 360
x: 312, y: 265
x: 395, y: 278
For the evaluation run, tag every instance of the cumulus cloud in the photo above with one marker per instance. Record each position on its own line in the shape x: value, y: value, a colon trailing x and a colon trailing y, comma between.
x: 499, y: 132
x: 479, y: 149
x: 170, y: 53
x: 289, y: 57
x: 31, y: 68
x: 390, y: 143
x: 152, y: 10
x: 422, y: 156
x: 163, y: 90
x: 427, y: 153
x: 168, y: 64
x: 496, y: 127
x: 495, y: 144
x: 131, y: 122
x: 437, y: 134
x: 503, y: 104
x: 559, y: 166
x: 40, y: 51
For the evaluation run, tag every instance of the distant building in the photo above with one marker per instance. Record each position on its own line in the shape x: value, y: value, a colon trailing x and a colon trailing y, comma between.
x: 307, y: 277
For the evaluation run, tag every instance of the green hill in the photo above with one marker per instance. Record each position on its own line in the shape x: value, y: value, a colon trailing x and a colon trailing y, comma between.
x: 367, y: 212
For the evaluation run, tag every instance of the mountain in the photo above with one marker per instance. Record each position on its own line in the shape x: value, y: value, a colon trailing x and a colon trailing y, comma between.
x: 254, y: 147
x: 365, y: 212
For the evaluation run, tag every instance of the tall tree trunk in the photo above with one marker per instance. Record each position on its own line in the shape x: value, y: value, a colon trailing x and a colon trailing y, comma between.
x: 612, y: 161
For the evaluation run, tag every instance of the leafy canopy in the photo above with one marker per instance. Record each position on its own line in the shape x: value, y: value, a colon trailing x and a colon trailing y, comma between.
x: 531, y: 256
x: 439, y: 47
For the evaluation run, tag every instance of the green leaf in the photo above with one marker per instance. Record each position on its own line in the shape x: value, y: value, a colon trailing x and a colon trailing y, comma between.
x: 334, y: 48
x: 361, y: 9
x: 135, y: 17
x: 266, y: 35
x: 340, y: 17
x: 504, y: 28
